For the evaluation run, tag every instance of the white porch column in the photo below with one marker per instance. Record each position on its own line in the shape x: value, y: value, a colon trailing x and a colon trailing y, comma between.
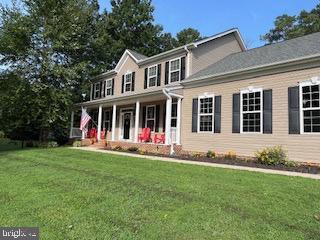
x: 99, y: 122
x: 178, y: 121
x: 136, y: 123
x: 168, y: 121
x: 71, y: 124
x: 83, y: 131
x: 113, y: 130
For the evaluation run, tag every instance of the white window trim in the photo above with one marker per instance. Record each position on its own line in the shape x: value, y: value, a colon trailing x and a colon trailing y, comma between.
x: 310, y: 82
x: 156, y: 76
x: 104, y: 119
x: 107, y: 88
x: 154, y: 117
x: 251, y: 90
x: 205, y: 95
x: 95, y: 90
x: 126, y: 83
x: 176, y: 117
x: 179, y: 70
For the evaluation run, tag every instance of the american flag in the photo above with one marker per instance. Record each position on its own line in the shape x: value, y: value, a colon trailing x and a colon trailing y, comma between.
x: 85, y: 118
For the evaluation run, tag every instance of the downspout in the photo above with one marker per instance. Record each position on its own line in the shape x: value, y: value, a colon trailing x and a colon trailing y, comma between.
x: 168, y: 121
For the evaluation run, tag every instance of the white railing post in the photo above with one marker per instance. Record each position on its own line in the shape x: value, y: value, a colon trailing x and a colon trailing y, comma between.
x: 113, y: 131
x: 178, y: 130
x: 136, y: 123
x: 71, y: 124
x: 99, y: 122
x: 168, y: 121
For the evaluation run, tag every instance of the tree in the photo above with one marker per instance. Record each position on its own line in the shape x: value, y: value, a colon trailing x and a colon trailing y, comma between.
x: 186, y: 36
x: 288, y: 27
x: 47, y: 48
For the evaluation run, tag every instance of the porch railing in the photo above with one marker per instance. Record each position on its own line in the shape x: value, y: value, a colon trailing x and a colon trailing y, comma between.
x: 75, y: 133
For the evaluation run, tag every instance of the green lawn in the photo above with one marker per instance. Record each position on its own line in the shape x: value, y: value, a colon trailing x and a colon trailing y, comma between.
x: 73, y: 194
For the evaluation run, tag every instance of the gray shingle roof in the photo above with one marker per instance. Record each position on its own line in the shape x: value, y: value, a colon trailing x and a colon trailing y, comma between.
x: 137, y: 55
x: 284, y: 51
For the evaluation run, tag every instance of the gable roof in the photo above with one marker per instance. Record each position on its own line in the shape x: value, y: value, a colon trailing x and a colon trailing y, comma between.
x: 137, y: 55
x: 272, y: 54
x: 142, y: 59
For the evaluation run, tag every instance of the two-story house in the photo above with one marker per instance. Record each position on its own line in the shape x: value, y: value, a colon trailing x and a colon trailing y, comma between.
x: 213, y: 94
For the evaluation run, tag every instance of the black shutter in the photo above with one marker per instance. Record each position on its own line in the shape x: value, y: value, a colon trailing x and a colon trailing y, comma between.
x: 217, y: 114
x: 92, y: 91
x: 122, y: 86
x: 100, y: 94
x: 159, y: 75
x: 103, y: 89
x: 183, y: 68
x: 236, y: 113
x: 164, y: 118
x: 267, y: 111
x: 294, y: 112
x: 110, y: 118
x: 157, y: 118
x: 166, y: 80
x: 195, y: 115
x: 144, y: 110
x: 112, y: 88
x: 133, y: 81
x: 145, y: 78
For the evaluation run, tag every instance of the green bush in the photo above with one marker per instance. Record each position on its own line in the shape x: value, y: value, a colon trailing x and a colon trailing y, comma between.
x: 76, y: 143
x: 2, y: 135
x: 272, y: 156
x: 196, y: 155
x: 50, y: 144
x: 133, y: 149
x: 211, y: 154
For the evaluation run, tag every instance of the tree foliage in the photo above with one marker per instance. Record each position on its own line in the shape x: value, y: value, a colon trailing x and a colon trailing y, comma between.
x: 288, y: 27
x: 49, y: 49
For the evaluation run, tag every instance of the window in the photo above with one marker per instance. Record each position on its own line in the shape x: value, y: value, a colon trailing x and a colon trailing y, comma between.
x: 205, y: 114
x: 108, y: 87
x: 150, y: 117
x: 152, y: 76
x: 107, y: 121
x: 174, y: 115
x: 310, y: 107
x: 174, y: 70
x: 96, y: 90
x: 251, y: 111
x: 128, y: 82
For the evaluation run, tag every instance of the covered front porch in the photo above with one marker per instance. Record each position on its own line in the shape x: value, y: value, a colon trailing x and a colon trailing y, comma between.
x: 128, y: 120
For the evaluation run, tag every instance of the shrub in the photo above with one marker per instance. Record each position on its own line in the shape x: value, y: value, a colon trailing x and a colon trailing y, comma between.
x: 196, y: 155
x: 2, y: 134
x: 272, y: 156
x: 133, y: 149
x: 142, y: 152
x: 50, y: 144
x: 211, y: 154
x: 76, y: 143
x: 230, y: 155
x: 117, y: 148
x: 32, y: 144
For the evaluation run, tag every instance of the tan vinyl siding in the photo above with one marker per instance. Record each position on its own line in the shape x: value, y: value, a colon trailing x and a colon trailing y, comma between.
x: 300, y: 147
x: 212, y: 51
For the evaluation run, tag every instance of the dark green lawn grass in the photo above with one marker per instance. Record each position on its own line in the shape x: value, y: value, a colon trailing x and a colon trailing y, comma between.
x: 74, y: 194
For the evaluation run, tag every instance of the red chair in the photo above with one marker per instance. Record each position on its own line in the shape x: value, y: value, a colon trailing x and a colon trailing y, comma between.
x: 145, y: 136
x: 93, y: 133
x: 159, y: 138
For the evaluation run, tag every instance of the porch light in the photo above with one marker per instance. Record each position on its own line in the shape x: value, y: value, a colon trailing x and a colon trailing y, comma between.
x: 84, y: 96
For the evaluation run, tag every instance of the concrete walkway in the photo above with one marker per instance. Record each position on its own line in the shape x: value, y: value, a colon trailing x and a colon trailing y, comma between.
x: 218, y: 165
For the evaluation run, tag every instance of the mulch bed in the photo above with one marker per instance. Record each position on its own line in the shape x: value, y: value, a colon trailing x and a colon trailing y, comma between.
x: 300, y: 167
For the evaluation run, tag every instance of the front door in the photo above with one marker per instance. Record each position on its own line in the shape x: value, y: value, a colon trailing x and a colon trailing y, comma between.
x: 126, y: 125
